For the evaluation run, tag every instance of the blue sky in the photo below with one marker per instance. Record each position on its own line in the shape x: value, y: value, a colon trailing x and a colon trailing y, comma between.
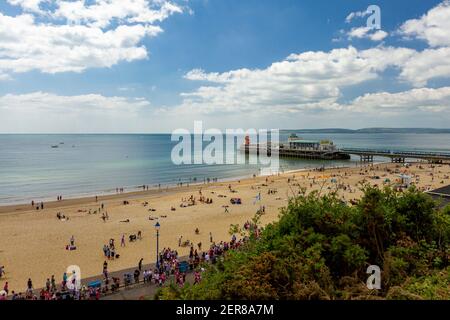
x: 152, y: 91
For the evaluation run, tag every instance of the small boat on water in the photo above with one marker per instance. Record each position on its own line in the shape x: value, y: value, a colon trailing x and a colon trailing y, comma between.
x: 55, y: 146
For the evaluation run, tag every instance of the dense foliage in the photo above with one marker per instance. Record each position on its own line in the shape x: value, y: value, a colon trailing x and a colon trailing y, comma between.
x: 321, y: 247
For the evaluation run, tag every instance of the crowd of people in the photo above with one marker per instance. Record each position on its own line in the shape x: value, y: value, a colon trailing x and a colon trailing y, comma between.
x: 169, y: 266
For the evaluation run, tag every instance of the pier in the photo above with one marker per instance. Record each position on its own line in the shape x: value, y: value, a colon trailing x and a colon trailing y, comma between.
x: 397, y: 156
x: 312, y: 154
x: 365, y: 155
x: 297, y: 147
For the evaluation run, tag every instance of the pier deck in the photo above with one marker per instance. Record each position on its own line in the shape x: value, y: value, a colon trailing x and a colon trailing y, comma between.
x: 366, y: 155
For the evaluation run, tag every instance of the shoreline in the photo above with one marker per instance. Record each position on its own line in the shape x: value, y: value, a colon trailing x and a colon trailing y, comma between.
x: 105, y: 195
x: 164, y: 189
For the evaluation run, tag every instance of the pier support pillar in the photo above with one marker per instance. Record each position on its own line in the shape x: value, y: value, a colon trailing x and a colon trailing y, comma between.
x: 398, y: 160
x: 366, y: 158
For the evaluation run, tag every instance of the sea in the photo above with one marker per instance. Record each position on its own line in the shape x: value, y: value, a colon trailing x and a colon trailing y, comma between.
x: 41, y: 167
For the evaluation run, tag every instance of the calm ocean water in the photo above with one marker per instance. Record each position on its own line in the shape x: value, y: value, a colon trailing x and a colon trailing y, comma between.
x: 96, y: 164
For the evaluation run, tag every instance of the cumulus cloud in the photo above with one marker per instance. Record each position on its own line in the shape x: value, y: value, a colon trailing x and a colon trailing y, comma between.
x: 368, y: 33
x: 103, y: 33
x: 76, y: 36
x: 433, y: 27
x: 102, y: 12
x: 426, y: 65
x: 313, y: 81
x: 42, y: 111
x: 29, y: 5
x: 422, y: 99
x: 306, y: 81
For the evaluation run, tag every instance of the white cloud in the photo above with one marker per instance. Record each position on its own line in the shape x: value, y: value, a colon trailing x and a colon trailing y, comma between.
x: 50, y: 46
x: 47, y: 112
x: 432, y: 27
x: 306, y: 81
x: 43, y: 101
x: 356, y: 14
x: 29, y: 5
x: 300, y: 86
x: 423, y: 99
x: 378, y: 35
x: 369, y: 33
x: 102, y: 12
x: 426, y: 65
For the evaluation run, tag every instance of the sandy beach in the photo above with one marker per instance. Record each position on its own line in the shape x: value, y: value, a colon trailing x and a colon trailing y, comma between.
x: 33, y: 243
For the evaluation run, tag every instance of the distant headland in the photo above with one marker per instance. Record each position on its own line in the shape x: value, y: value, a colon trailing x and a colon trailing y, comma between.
x: 370, y: 130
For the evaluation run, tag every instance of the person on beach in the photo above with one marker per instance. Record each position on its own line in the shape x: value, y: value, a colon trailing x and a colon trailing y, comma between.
x: 122, y: 241
x: 29, y: 285
x: 64, y: 281
x: 53, y: 283
x: 2, y: 271
x: 72, y: 241
x: 140, y: 264
x: 6, y: 287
